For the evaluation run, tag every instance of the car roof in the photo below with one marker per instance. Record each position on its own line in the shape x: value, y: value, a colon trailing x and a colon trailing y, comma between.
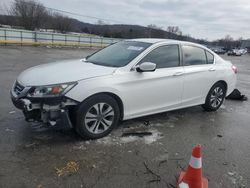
x: 158, y: 40
x: 150, y: 40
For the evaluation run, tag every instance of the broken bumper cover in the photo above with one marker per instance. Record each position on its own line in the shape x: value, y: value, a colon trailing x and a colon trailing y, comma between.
x: 50, y: 111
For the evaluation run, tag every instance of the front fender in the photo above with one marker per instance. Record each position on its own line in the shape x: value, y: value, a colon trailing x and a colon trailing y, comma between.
x: 87, y: 88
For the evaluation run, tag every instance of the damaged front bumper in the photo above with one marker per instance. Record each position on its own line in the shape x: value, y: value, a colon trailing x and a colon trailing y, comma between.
x: 50, y: 111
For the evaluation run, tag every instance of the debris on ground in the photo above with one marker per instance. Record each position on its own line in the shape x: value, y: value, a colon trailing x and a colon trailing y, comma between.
x: 171, y: 185
x: 161, y: 159
x: 156, y: 178
x: 236, y: 95
x: 236, y: 179
x: 146, y: 123
x: 39, y: 127
x: 70, y: 168
x: 139, y: 134
x: 176, y: 159
x: 162, y: 162
x: 219, y: 135
x: 30, y: 145
x: 42, y: 137
x: 222, y: 149
x: 79, y: 147
x: 9, y: 130
x: 93, y: 166
x: 39, y: 186
x: 231, y: 173
x: 12, y: 112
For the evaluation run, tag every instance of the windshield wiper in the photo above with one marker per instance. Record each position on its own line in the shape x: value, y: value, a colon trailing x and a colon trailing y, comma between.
x: 100, y: 64
x: 87, y: 61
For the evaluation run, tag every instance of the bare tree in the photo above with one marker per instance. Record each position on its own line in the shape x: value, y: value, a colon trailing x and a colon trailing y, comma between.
x: 228, y: 38
x: 228, y: 41
x: 101, y: 22
x: 61, y: 23
x: 29, y: 13
x: 153, y: 26
x: 174, y: 29
x: 3, y: 9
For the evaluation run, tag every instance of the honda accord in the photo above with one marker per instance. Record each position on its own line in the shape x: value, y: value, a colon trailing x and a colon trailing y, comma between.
x: 125, y: 80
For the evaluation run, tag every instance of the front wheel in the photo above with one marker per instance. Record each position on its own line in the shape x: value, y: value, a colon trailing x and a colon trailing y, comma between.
x: 215, y: 97
x: 97, y: 116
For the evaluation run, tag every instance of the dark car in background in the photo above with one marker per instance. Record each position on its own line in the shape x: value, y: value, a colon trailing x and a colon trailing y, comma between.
x: 218, y: 50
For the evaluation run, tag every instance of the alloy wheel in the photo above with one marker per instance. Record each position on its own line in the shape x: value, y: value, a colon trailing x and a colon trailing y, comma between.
x: 99, y: 118
x: 216, y: 97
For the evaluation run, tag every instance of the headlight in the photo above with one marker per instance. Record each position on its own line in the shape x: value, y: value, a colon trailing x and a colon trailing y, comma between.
x: 51, y: 90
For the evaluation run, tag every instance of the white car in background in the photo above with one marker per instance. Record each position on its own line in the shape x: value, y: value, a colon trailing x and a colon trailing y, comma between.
x: 128, y: 79
x: 242, y: 51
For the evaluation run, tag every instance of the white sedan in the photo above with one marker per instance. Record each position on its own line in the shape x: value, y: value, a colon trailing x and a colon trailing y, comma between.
x: 128, y: 79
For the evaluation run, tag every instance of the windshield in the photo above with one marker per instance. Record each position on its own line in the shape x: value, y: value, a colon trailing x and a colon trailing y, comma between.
x: 118, y: 54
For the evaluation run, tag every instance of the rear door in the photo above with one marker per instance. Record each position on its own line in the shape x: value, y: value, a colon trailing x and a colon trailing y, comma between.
x: 200, y: 74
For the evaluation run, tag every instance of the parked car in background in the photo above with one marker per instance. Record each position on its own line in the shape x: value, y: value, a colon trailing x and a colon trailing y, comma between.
x: 234, y: 52
x: 243, y: 51
x: 128, y: 79
x: 219, y: 51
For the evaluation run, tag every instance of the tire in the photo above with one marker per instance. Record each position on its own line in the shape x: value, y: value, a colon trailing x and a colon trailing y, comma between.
x: 97, y: 116
x: 215, y: 97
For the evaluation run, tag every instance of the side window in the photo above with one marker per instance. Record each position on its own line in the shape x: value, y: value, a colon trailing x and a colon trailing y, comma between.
x: 210, y: 58
x: 193, y: 55
x: 164, y: 56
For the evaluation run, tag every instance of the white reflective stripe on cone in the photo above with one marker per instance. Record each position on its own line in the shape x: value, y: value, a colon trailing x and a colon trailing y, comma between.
x: 183, y: 185
x: 195, y: 162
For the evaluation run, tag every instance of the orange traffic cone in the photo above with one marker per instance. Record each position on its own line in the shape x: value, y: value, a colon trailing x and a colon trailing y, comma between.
x: 192, y: 178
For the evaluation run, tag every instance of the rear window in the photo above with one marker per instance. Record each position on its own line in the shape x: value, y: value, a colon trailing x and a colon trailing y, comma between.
x: 210, y: 58
x: 194, y: 55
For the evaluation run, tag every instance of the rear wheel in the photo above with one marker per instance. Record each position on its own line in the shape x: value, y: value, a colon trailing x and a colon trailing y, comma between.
x: 215, y: 97
x: 97, y: 116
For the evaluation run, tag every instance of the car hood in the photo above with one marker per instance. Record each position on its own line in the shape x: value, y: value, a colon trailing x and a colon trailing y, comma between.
x: 62, y: 72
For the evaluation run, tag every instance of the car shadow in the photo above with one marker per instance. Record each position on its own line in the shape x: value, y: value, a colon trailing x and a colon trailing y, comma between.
x: 58, y: 135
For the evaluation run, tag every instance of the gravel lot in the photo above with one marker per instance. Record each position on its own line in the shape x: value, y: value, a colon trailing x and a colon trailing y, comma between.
x: 34, y: 156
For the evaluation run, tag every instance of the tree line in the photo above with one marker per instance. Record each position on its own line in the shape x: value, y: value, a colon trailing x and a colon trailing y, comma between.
x: 32, y: 15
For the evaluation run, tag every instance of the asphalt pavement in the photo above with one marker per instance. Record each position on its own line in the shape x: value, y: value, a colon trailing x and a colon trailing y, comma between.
x: 35, y: 156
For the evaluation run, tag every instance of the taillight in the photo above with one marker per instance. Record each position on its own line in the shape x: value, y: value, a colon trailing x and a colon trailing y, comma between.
x: 234, y: 68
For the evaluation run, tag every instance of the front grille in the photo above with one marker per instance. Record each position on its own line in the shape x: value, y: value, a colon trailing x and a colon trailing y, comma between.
x: 18, y: 88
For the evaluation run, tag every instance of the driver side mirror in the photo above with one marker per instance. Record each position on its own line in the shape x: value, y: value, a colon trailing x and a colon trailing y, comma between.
x: 146, y: 67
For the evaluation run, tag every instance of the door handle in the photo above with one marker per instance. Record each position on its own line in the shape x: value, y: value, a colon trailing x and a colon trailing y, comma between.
x: 212, y: 69
x: 178, y: 74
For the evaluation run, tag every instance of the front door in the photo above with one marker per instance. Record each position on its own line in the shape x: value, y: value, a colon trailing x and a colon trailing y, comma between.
x: 153, y: 92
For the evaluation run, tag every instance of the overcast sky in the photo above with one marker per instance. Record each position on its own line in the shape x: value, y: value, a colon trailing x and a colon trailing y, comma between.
x: 208, y: 19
